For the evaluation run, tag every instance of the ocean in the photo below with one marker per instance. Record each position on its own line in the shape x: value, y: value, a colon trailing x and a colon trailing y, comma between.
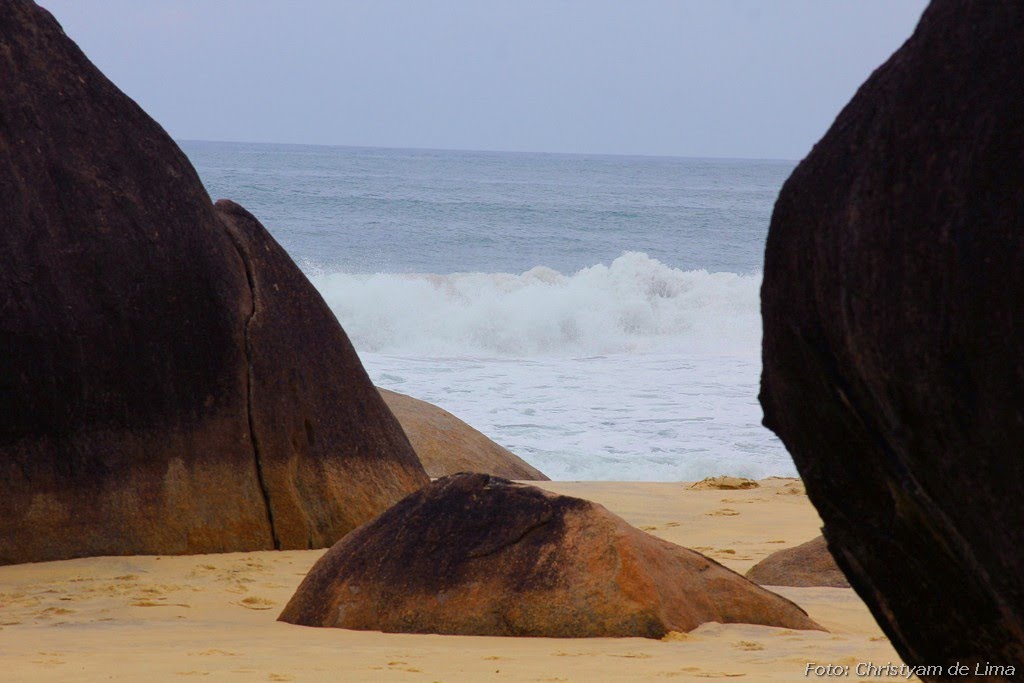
x: 597, y: 315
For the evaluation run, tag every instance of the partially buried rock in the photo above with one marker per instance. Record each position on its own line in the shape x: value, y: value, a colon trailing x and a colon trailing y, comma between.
x: 809, y: 564
x: 169, y: 380
x: 725, y: 483
x: 478, y: 555
x: 447, y: 445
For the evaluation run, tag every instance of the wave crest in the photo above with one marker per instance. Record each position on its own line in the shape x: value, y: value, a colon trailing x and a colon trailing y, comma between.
x: 636, y: 304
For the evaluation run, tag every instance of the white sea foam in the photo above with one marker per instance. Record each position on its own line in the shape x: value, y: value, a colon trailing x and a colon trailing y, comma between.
x: 635, y: 305
x: 651, y: 417
x: 632, y: 371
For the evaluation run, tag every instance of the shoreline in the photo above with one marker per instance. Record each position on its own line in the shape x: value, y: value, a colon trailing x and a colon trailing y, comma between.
x: 214, y: 616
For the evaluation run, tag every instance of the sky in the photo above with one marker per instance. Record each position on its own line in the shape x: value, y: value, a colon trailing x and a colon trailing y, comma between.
x: 698, y: 78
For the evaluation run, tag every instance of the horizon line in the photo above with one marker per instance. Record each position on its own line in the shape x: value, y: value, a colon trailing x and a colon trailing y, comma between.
x: 487, y: 151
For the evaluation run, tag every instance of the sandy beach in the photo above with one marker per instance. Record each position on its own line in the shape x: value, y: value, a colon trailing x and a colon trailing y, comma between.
x: 214, y: 616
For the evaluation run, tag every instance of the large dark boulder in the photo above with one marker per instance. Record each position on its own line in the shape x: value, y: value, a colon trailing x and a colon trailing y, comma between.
x: 893, y: 304
x: 169, y: 381
x: 473, y: 554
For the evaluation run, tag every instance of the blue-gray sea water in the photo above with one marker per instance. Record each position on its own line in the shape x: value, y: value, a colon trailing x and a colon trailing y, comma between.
x: 598, y: 315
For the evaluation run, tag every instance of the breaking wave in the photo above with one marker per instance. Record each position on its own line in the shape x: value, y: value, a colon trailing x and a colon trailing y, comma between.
x: 635, y: 305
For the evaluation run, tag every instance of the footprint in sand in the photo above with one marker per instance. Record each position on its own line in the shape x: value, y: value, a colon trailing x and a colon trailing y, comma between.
x: 51, y: 611
x: 648, y: 528
x: 202, y: 571
x: 671, y: 525
x: 52, y: 658
x: 748, y: 645
x: 717, y: 674
x: 727, y: 554
x: 157, y: 589
x: 280, y: 677
x: 256, y: 603
x: 682, y: 672
x: 724, y: 512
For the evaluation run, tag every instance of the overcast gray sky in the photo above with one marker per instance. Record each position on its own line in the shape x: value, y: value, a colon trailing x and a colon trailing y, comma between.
x: 711, y: 78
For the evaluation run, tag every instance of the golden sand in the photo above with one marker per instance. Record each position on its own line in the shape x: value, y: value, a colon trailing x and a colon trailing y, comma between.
x: 213, y: 617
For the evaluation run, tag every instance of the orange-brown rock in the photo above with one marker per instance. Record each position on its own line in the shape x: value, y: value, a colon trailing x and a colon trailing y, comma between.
x: 809, y: 564
x: 473, y: 554
x: 169, y: 381
x: 447, y: 445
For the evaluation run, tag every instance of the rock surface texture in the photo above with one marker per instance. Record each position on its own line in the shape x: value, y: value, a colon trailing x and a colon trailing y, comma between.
x: 478, y: 555
x: 893, y: 305
x: 807, y: 565
x: 447, y: 445
x: 169, y: 381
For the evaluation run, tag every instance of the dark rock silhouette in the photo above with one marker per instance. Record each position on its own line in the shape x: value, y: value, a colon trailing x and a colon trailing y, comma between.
x: 893, y: 304
x: 473, y: 554
x: 447, y: 445
x: 808, y: 564
x: 169, y: 381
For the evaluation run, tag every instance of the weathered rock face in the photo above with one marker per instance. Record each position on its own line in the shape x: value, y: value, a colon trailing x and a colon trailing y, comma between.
x: 331, y: 453
x: 447, y: 445
x: 808, y: 564
x: 478, y: 555
x: 893, y: 329
x: 169, y: 382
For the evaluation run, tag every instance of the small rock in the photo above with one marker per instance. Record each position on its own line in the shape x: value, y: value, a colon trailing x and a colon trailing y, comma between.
x: 809, y: 564
x: 725, y: 483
